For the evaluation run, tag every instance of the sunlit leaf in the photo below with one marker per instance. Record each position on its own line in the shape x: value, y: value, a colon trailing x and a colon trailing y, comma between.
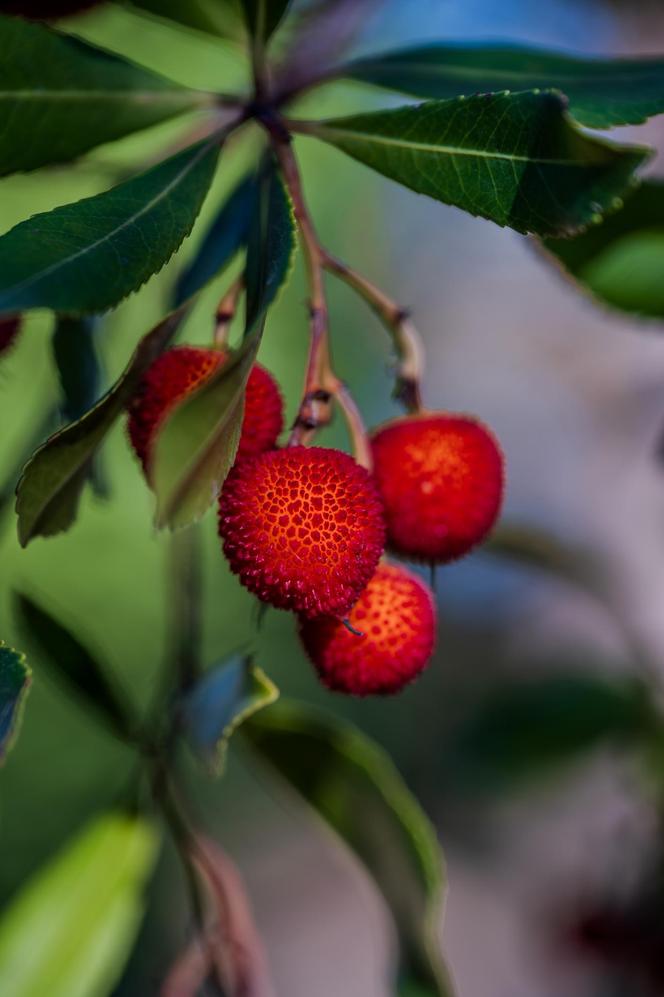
x: 60, y: 97
x: 222, y: 699
x: 15, y: 680
x: 601, y: 92
x: 50, y: 488
x: 516, y: 159
x: 72, y: 664
x: 87, y: 256
x: 70, y: 929
x: 215, y: 17
x: 356, y: 789
x: 619, y: 262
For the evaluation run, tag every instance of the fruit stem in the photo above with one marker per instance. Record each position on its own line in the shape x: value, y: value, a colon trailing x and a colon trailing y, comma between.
x: 225, y: 313
x: 407, y: 340
x: 321, y: 384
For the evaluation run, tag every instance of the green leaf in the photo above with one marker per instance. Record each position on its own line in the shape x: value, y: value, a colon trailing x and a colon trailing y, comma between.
x: 356, y: 789
x: 525, y: 729
x: 619, y: 262
x: 601, y: 92
x: 215, y: 17
x: 195, y: 447
x: 87, y: 256
x: 69, y: 931
x: 516, y: 159
x: 15, y: 678
x: 50, y: 488
x: 70, y: 661
x: 227, y: 234
x: 60, y: 97
x: 222, y: 699
x: 263, y: 17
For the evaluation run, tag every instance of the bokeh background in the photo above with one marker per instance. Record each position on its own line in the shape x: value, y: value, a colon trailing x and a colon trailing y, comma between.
x: 576, y: 396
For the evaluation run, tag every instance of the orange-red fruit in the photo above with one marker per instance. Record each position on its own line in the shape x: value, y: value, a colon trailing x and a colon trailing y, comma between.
x: 395, y: 615
x: 303, y: 528
x: 9, y: 328
x: 441, y: 480
x: 181, y: 370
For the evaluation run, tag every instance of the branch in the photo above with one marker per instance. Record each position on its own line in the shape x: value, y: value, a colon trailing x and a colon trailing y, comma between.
x: 225, y: 313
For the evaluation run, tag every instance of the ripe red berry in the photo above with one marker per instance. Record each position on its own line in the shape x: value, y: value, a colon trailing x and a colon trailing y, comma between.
x: 9, y: 328
x: 396, y: 616
x: 441, y: 480
x: 46, y: 10
x: 303, y: 528
x: 182, y: 369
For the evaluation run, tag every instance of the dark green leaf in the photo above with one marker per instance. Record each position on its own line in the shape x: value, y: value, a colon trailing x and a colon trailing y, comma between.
x: 196, y: 446
x: 516, y: 159
x: 70, y: 929
x: 222, y: 699
x: 61, y: 97
x: 527, y: 728
x: 72, y: 663
x: 263, y: 16
x: 601, y: 92
x: 215, y: 17
x: 15, y: 680
x: 619, y: 262
x: 77, y: 363
x: 50, y: 488
x: 88, y: 256
x: 225, y: 237
x: 354, y: 786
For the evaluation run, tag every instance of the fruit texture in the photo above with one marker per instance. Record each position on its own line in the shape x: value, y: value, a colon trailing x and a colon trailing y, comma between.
x: 441, y: 480
x: 303, y: 528
x: 177, y: 372
x: 395, y: 618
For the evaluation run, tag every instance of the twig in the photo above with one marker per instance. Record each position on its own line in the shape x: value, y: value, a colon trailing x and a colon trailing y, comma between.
x: 186, y: 605
x: 321, y: 384
x: 225, y: 313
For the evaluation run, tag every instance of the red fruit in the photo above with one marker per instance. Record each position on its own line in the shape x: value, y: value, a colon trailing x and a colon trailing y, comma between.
x: 9, y: 327
x: 303, y: 528
x: 396, y: 616
x: 441, y: 480
x: 45, y: 10
x: 182, y: 369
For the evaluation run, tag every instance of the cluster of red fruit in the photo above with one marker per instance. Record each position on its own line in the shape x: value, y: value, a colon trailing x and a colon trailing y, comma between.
x: 305, y: 527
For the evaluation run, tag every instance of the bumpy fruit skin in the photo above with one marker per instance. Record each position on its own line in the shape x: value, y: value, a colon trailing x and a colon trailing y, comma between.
x: 46, y: 10
x: 396, y: 616
x: 303, y: 528
x: 9, y: 329
x: 441, y: 479
x: 182, y: 369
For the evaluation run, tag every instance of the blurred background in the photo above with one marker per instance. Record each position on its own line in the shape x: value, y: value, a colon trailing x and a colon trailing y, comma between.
x: 549, y: 834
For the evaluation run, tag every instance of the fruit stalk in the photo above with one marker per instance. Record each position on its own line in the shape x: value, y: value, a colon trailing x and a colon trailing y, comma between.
x: 225, y: 313
x: 321, y: 384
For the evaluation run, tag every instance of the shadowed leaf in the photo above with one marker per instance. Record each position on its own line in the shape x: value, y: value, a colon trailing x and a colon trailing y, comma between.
x: 222, y: 699
x: 69, y: 660
x: 215, y: 17
x: 263, y: 16
x: 356, y: 789
x: 60, y: 97
x: 50, y: 488
x: 516, y: 159
x: 87, y: 256
x: 84, y: 907
x: 601, y: 92
x: 15, y: 680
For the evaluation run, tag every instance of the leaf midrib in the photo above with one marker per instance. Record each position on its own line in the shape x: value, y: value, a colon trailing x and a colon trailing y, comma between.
x: 148, y: 206
x: 450, y: 150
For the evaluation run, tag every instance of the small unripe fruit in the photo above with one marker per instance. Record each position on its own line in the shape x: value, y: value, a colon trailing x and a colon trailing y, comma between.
x: 45, y: 10
x: 9, y: 329
x: 396, y: 620
x: 440, y: 477
x: 177, y: 372
x: 303, y: 528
